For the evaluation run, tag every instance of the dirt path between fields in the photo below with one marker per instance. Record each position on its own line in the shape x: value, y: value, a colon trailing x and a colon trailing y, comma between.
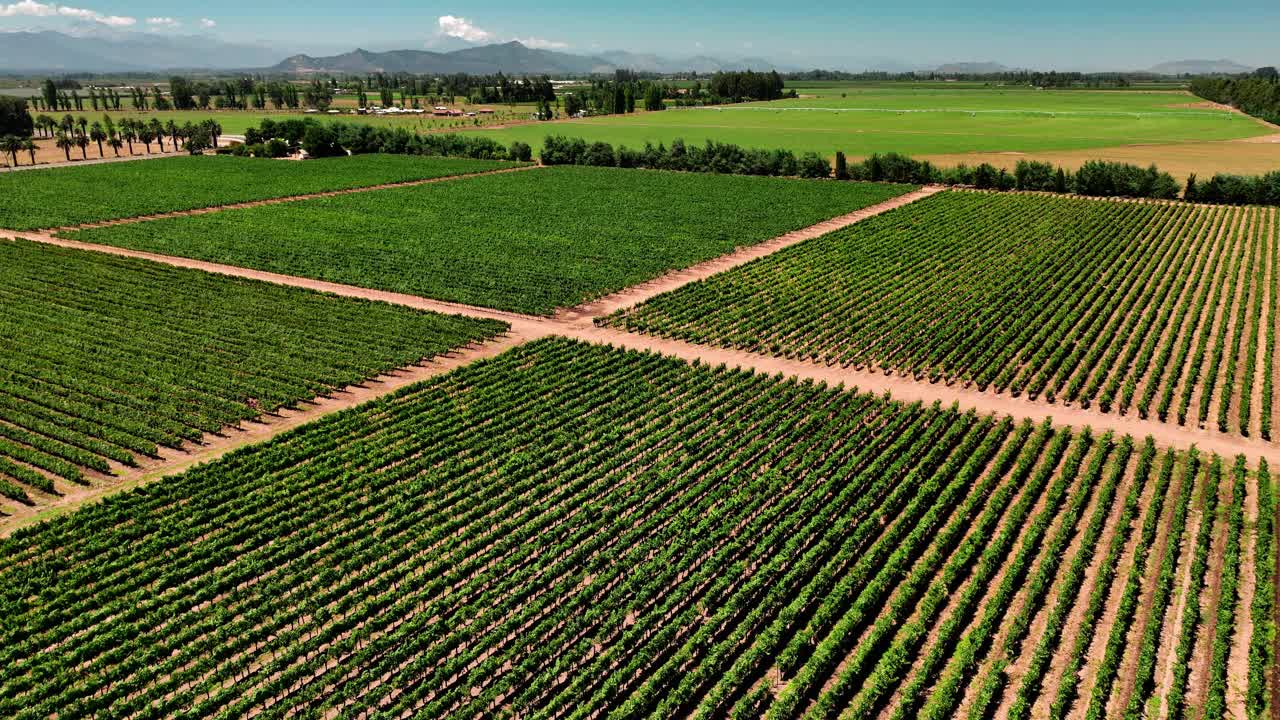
x: 637, y: 294
x: 171, y: 461
x: 577, y: 323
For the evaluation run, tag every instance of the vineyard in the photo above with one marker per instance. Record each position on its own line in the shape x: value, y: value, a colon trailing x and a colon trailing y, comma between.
x: 529, y: 242
x: 573, y: 530
x: 107, y: 360
x: 76, y: 195
x: 1163, y: 311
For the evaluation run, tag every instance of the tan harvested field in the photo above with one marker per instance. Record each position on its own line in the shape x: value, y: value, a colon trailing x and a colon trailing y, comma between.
x: 1252, y: 156
x: 48, y: 153
x: 711, y: 542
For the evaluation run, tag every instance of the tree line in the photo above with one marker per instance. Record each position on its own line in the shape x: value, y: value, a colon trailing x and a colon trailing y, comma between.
x: 1257, y: 95
x: 273, y: 138
x: 71, y: 132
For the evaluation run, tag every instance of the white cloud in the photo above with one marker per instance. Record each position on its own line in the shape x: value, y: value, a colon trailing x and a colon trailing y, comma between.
x: 163, y: 22
x: 27, y: 7
x: 38, y: 9
x: 541, y: 44
x: 207, y: 24
x: 462, y: 28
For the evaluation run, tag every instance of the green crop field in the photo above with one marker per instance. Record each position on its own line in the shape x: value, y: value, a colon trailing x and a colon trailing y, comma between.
x: 861, y: 121
x: 529, y: 241
x: 1166, y: 310
x: 107, y: 359
x: 69, y: 196
x: 579, y: 530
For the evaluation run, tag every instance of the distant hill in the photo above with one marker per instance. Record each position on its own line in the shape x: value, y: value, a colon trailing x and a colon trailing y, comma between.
x: 972, y: 68
x: 50, y: 51
x: 1200, y: 67
x: 512, y: 58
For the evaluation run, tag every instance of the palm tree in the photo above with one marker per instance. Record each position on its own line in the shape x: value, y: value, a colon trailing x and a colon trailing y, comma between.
x: 128, y: 133
x: 83, y: 124
x: 116, y: 143
x: 108, y: 125
x: 97, y: 134
x: 171, y: 127
x: 30, y: 146
x: 215, y: 130
x: 157, y: 132
x: 45, y: 124
x: 65, y: 144
x: 11, y: 144
x: 67, y: 123
x: 146, y: 135
x: 82, y: 141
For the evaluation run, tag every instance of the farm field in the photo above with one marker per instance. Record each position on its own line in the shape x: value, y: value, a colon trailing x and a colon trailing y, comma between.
x: 924, y: 122
x: 1166, y: 311
x: 66, y: 196
x: 107, y: 360
x: 703, y: 541
x: 529, y: 242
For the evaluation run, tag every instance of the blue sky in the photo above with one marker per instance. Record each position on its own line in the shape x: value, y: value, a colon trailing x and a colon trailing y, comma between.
x: 1086, y: 34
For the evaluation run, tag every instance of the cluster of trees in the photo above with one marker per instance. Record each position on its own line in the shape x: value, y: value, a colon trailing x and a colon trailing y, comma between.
x: 1236, y: 189
x: 628, y: 89
x: 14, y: 118
x: 78, y: 132
x: 714, y: 157
x: 1257, y: 95
x: 1097, y: 178
x: 320, y: 139
x: 747, y: 85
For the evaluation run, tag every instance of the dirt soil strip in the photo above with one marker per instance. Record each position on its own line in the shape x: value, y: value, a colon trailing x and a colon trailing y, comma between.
x: 1238, y: 658
x: 637, y: 294
x: 289, y: 198
x: 212, y: 447
x: 576, y: 323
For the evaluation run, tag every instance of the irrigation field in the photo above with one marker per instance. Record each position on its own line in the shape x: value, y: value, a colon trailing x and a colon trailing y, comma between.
x: 529, y: 241
x: 922, y: 121
x: 106, y: 360
x: 59, y: 197
x: 1167, y: 311
x: 576, y: 530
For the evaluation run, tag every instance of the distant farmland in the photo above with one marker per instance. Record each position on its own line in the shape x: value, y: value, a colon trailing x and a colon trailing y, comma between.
x: 862, y: 121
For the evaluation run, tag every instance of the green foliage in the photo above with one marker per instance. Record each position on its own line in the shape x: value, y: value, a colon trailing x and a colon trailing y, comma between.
x: 1048, y: 296
x: 14, y: 118
x: 528, y: 241
x: 71, y: 196
x: 661, y: 581
x: 128, y: 356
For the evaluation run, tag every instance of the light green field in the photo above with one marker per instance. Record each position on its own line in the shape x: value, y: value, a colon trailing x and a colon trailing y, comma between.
x: 921, y: 121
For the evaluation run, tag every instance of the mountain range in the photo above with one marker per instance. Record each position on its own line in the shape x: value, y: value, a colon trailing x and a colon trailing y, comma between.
x: 130, y: 51
x: 50, y: 51
x: 1201, y: 67
x: 513, y: 58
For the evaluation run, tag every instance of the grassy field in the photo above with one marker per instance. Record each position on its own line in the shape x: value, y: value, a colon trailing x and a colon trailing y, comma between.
x: 59, y: 197
x: 530, y: 241
x: 1048, y: 296
x: 579, y: 530
x: 861, y: 121
x: 108, y: 358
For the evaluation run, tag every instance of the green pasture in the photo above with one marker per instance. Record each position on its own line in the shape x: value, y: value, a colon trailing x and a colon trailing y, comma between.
x: 921, y: 121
